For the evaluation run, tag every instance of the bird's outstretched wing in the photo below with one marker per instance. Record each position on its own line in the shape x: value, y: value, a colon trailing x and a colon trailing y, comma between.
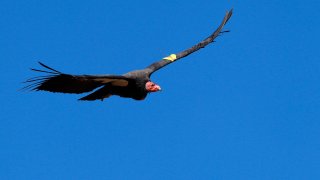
x: 173, y: 57
x: 55, y: 81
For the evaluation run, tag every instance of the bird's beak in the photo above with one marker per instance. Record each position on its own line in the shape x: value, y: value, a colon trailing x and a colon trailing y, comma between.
x: 158, y: 87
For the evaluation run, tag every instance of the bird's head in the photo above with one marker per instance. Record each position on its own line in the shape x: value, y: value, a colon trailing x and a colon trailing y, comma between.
x: 152, y: 87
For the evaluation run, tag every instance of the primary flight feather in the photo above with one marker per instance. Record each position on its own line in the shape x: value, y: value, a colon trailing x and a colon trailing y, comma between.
x: 135, y: 84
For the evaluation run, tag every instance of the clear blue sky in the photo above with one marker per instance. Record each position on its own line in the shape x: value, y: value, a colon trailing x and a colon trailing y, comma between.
x: 246, y: 107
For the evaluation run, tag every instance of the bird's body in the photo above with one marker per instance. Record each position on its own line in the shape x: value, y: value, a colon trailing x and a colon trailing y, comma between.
x: 135, y: 88
x: 135, y: 84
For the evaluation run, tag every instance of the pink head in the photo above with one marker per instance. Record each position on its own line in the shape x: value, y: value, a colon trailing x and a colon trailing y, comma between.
x: 152, y: 87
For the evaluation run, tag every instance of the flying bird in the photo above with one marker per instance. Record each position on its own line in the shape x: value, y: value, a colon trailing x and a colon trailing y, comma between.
x: 134, y: 84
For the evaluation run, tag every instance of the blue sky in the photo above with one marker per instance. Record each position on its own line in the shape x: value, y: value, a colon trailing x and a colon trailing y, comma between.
x: 246, y: 107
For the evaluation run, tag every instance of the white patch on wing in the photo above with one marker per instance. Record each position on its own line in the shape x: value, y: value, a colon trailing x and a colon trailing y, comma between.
x: 114, y: 82
x: 104, y: 80
x: 120, y: 82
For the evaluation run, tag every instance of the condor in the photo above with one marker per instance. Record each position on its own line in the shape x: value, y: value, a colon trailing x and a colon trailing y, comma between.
x: 135, y: 84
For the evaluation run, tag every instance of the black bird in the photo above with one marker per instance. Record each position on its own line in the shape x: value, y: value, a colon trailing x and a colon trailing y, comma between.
x: 135, y: 84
